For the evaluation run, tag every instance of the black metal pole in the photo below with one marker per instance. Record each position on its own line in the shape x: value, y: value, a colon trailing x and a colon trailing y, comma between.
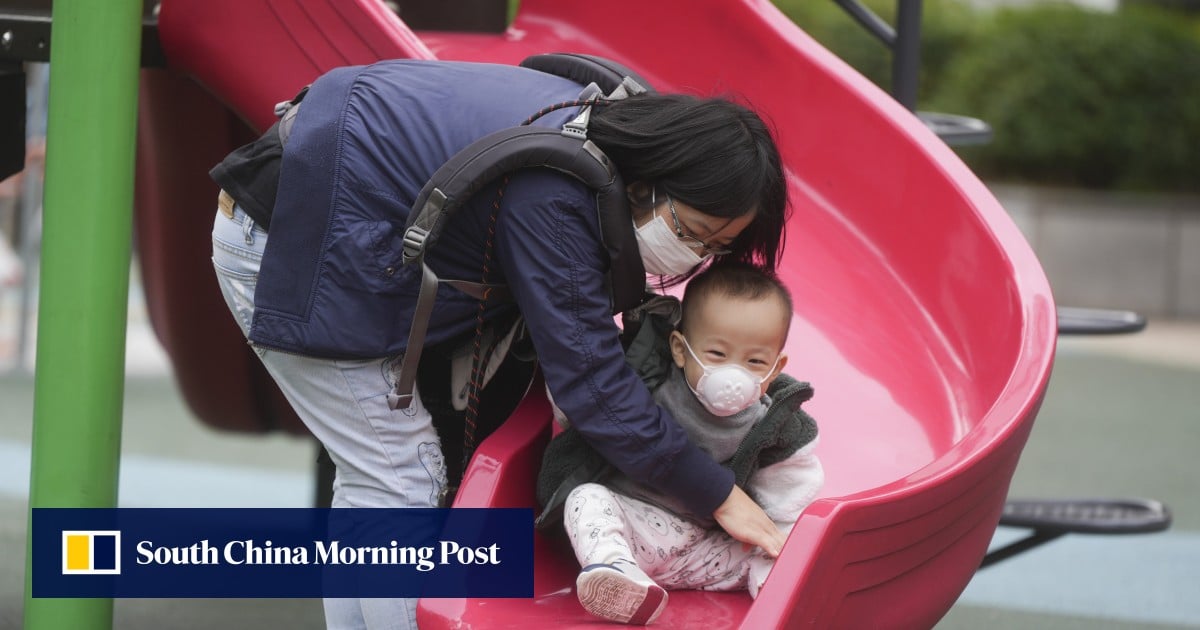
x: 906, y: 53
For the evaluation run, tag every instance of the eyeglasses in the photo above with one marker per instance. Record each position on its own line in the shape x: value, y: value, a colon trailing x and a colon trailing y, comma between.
x: 688, y: 239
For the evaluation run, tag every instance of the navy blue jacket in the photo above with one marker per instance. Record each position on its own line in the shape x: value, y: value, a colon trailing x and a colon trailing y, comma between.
x: 365, y: 140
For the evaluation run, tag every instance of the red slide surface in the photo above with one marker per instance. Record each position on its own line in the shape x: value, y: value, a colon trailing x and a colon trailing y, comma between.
x: 923, y: 318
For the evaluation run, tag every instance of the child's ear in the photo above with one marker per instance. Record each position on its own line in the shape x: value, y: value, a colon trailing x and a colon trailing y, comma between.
x: 677, y: 348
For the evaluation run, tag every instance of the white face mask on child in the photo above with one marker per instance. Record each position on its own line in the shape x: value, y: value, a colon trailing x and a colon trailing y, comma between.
x: 726, y: 389
x: 661, y: 250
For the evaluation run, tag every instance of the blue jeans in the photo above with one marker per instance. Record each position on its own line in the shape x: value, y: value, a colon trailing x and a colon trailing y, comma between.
x: 384, y: 458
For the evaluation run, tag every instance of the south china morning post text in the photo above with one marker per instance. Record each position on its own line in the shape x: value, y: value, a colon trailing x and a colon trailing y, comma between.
x: 131, y: 552
x: 331, y: 552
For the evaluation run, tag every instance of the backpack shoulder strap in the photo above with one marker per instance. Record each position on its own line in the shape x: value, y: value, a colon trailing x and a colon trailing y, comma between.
x: 484, y: 160
x: 498, y: 153
x: 567, y: 151
x: 584, y: 69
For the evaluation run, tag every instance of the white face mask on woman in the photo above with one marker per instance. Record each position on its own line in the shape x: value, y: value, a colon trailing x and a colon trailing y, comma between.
x: 663, y: 253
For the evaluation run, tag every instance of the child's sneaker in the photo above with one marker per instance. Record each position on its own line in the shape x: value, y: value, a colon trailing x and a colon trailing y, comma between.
x: 620, y: 592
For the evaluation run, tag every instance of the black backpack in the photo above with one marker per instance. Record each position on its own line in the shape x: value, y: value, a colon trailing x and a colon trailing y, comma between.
x: 566, y: 150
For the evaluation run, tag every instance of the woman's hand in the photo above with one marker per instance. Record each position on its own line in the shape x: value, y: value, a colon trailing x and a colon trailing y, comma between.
x: 743, y: 519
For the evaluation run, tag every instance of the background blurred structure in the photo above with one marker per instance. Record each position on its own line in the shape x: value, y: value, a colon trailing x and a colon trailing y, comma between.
x: 20, y: 214
x: 1095, y: 132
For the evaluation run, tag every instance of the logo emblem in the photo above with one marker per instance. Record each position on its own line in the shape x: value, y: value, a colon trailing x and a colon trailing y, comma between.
x: 91, y: 552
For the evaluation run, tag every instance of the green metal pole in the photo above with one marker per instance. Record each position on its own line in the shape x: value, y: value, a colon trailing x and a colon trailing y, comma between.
x: 86, y: 242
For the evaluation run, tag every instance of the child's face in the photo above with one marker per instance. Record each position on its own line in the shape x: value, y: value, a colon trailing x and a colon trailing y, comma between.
x: 744, y: 332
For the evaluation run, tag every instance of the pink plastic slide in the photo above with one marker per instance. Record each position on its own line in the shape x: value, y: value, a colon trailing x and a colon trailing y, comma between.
x: 923, y: 319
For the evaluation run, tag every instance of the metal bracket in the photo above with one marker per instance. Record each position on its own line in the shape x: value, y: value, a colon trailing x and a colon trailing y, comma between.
x: 25, y: 32
x: 1098, y: 321
x: 1052, y: 518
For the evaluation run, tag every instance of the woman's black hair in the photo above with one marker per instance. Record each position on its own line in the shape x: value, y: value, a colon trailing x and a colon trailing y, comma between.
x: 712, y: 154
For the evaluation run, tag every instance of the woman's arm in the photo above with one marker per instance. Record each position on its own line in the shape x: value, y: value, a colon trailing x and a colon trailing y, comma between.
x: 548, y: 246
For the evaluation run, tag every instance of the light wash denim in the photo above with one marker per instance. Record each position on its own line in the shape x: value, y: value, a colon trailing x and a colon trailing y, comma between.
x: 384, y: 458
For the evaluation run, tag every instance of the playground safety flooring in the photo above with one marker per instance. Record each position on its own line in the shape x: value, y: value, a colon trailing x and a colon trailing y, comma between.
x: 1121, y: 419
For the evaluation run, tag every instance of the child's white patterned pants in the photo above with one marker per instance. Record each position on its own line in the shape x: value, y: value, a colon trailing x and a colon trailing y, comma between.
x: 675, y: 552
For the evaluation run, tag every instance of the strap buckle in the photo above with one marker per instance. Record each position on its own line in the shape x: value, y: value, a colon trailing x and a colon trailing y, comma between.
x: 577, y: 128
x: 414, y: 243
